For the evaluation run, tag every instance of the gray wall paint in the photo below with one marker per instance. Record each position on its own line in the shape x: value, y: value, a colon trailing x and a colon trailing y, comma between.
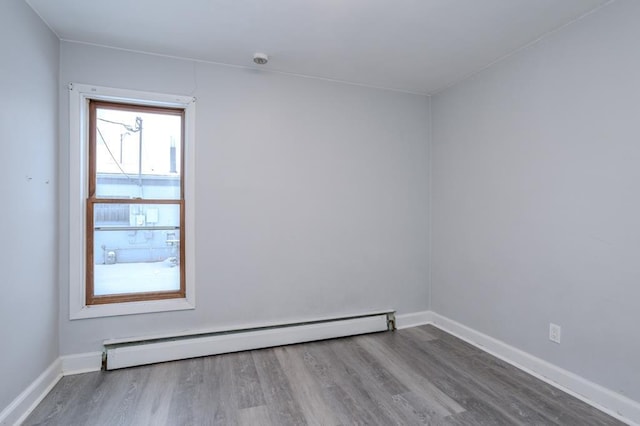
x: 311, y: 195
x: 536, y: 201
x: 28, y: 133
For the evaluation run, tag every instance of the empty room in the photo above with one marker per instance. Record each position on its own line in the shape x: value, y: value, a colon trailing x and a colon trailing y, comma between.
x: 320, y: 213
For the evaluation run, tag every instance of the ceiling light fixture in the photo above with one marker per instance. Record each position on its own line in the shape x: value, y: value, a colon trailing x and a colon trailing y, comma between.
x: 260, y: 58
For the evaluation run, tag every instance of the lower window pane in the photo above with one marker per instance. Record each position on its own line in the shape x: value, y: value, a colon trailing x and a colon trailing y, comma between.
x: 138, y: 255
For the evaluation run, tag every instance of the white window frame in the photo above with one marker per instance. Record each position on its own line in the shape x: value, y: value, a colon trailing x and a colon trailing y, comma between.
x: 79, y: 96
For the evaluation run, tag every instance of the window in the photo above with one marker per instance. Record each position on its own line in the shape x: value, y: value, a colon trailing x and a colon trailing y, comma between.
x: 131, y: 202
x: 135, y: 204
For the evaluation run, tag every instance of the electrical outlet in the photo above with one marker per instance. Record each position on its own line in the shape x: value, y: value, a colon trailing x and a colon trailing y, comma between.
x: 554, y: 332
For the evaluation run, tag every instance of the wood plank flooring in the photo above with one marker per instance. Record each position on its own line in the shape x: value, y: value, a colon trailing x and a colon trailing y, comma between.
x: 415, y: 376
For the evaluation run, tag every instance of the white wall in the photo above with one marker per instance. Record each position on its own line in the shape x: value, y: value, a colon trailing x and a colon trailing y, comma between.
x: 311, y: 195
x: 536, y: 199
x: 28, y: 137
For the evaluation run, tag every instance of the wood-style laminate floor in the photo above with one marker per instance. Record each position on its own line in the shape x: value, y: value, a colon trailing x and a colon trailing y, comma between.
x: 414, y: 376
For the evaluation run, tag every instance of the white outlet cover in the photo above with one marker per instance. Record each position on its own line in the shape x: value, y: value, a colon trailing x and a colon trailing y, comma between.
x: 555, y: 332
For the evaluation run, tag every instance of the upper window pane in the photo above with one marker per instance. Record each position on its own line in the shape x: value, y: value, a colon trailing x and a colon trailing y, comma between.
x: 138, y: 153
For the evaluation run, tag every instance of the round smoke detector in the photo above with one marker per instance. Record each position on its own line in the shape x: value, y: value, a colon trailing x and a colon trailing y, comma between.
x: 260, y: 58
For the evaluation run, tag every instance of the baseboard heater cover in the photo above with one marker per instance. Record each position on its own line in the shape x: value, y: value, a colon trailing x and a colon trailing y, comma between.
x: 135, y: 352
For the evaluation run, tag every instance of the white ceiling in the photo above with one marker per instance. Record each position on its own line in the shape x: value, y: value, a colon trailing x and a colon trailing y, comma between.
x: 411, y: 45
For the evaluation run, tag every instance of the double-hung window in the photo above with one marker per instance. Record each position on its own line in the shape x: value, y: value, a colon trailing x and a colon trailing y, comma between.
x: 134, y: 221
x: 135, y: 204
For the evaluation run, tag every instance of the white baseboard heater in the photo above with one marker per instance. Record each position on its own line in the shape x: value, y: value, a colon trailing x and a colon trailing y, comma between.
x: 121, y: 353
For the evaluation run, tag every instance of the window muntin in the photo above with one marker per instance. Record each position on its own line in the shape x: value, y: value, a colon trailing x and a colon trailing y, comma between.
x: 135, y: 165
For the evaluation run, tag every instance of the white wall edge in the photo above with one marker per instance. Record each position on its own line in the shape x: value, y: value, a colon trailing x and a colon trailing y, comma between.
x: 414, y: 319
x: 16, y: 412
x: 81, y: 363
x: 606, y: 400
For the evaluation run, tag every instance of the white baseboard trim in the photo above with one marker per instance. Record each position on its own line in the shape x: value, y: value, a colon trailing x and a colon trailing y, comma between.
x: 606, y: 400
x: 16, y: 412
x: 414, y: 319
x: 81, y: 363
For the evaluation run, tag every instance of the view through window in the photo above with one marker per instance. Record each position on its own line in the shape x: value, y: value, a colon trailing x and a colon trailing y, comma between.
x: 135, y: 208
